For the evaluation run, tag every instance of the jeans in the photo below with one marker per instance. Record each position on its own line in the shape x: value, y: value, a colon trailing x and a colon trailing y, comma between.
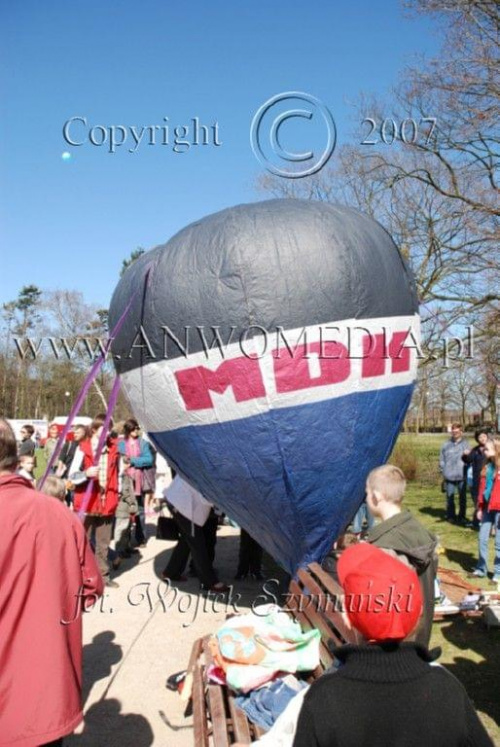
x: 474, y: 491
x: 450, y: 487
x: 361, y: 515
x: 490, y: 518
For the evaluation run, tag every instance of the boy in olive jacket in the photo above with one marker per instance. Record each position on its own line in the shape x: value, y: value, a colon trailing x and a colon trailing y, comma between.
x: 400, y: 532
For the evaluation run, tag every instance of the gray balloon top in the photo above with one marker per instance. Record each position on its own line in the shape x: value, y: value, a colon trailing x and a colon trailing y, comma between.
x: 279, y: 263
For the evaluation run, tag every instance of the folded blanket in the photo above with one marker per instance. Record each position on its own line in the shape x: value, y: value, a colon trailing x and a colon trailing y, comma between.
x: 253, y: 648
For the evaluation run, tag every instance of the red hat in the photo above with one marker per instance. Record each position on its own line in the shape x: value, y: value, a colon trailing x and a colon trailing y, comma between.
x: 383, y: 599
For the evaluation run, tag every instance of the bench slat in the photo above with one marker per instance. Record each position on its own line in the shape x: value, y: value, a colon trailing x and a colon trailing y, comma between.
x: 335, y: 593
x: 325, y: 579
x: 200, y: 722
x: 259, y: 731
x: 218, y: 714
x: 194, y: 670
x: 240, y: 722
x: 317, y: 620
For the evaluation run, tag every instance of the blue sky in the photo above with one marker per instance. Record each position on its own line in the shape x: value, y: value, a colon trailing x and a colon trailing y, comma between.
x: 69, y: 224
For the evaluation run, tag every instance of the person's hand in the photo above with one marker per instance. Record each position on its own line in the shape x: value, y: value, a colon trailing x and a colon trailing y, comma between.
x: 479, y: 514
x: 126, y: 460
x: 466, y: 452
x: 92, y: 472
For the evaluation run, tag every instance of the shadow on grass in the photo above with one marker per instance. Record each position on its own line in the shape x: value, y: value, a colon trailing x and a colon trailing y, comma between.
x: 437, y: 513
x: 480, y: 679
x: 466, y: 560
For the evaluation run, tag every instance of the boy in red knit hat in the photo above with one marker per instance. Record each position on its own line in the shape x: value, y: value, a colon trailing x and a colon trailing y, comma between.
x: 385, y: 693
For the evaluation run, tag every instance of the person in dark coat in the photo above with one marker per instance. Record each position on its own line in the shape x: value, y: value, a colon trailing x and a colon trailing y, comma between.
x: 385, y: 693
x: 476, y: 459
x: 250, y: 558
x: 27, y: 446
x: 80, y: 433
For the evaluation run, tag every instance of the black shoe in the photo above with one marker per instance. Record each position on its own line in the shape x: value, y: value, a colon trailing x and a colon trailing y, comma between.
x: 218, y: 588
x: 176, y: 579
x: 240, y: 576
x: 257, y: 576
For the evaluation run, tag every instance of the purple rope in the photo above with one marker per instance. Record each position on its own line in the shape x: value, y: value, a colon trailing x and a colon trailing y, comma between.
x: 90, y: 378
x: 100, y: 445
x: 74, y: 411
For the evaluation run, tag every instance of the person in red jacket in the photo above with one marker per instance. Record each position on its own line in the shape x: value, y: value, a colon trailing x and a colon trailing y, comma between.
x: 101, y: 507
x: 48, y: 576
x: 488, y: 512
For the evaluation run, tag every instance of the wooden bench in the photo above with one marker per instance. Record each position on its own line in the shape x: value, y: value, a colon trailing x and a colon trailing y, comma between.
x: 312, y: 600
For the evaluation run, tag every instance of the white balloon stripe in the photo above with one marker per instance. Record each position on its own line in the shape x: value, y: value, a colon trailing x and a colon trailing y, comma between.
x: 329, y: 361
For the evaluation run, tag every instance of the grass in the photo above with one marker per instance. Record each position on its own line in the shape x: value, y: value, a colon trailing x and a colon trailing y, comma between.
x: 470, y: 651
x: 41, y: 463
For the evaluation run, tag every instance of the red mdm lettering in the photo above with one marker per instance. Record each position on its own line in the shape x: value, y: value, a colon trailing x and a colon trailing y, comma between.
x: 376, y: 352
x: 293, y: 372
x: 242, y: 374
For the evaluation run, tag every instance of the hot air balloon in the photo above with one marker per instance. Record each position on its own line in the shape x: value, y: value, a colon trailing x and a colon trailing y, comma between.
x: 271, y: 354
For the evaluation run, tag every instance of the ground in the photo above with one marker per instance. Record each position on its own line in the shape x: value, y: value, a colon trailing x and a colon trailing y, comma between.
x: 143, y: 631
x: 140, y: 634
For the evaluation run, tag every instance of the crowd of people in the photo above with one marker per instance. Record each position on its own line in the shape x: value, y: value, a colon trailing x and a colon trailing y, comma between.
x: 121, y: 501
x: 476, y: 469
x: 124, y: 490
x: 105, y: 496
x: 465, y: 470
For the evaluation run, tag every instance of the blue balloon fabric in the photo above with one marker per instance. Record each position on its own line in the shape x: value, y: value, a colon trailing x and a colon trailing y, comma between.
x: 271, y: 357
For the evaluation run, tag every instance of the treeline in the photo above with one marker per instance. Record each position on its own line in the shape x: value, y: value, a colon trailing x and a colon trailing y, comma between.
x: 425, y: 163
x: 50, y: 340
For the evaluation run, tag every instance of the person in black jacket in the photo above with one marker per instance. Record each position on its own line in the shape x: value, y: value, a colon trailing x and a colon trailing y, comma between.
x: 386, y: 692
x: 80, y: 433
x: 27, y: 446
x: 476, y: 458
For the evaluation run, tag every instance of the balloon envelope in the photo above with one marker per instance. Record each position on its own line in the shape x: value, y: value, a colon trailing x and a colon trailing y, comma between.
x: 270, y: 353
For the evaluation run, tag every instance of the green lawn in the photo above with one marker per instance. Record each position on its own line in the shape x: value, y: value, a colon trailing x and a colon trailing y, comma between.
x: 470, y: 651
